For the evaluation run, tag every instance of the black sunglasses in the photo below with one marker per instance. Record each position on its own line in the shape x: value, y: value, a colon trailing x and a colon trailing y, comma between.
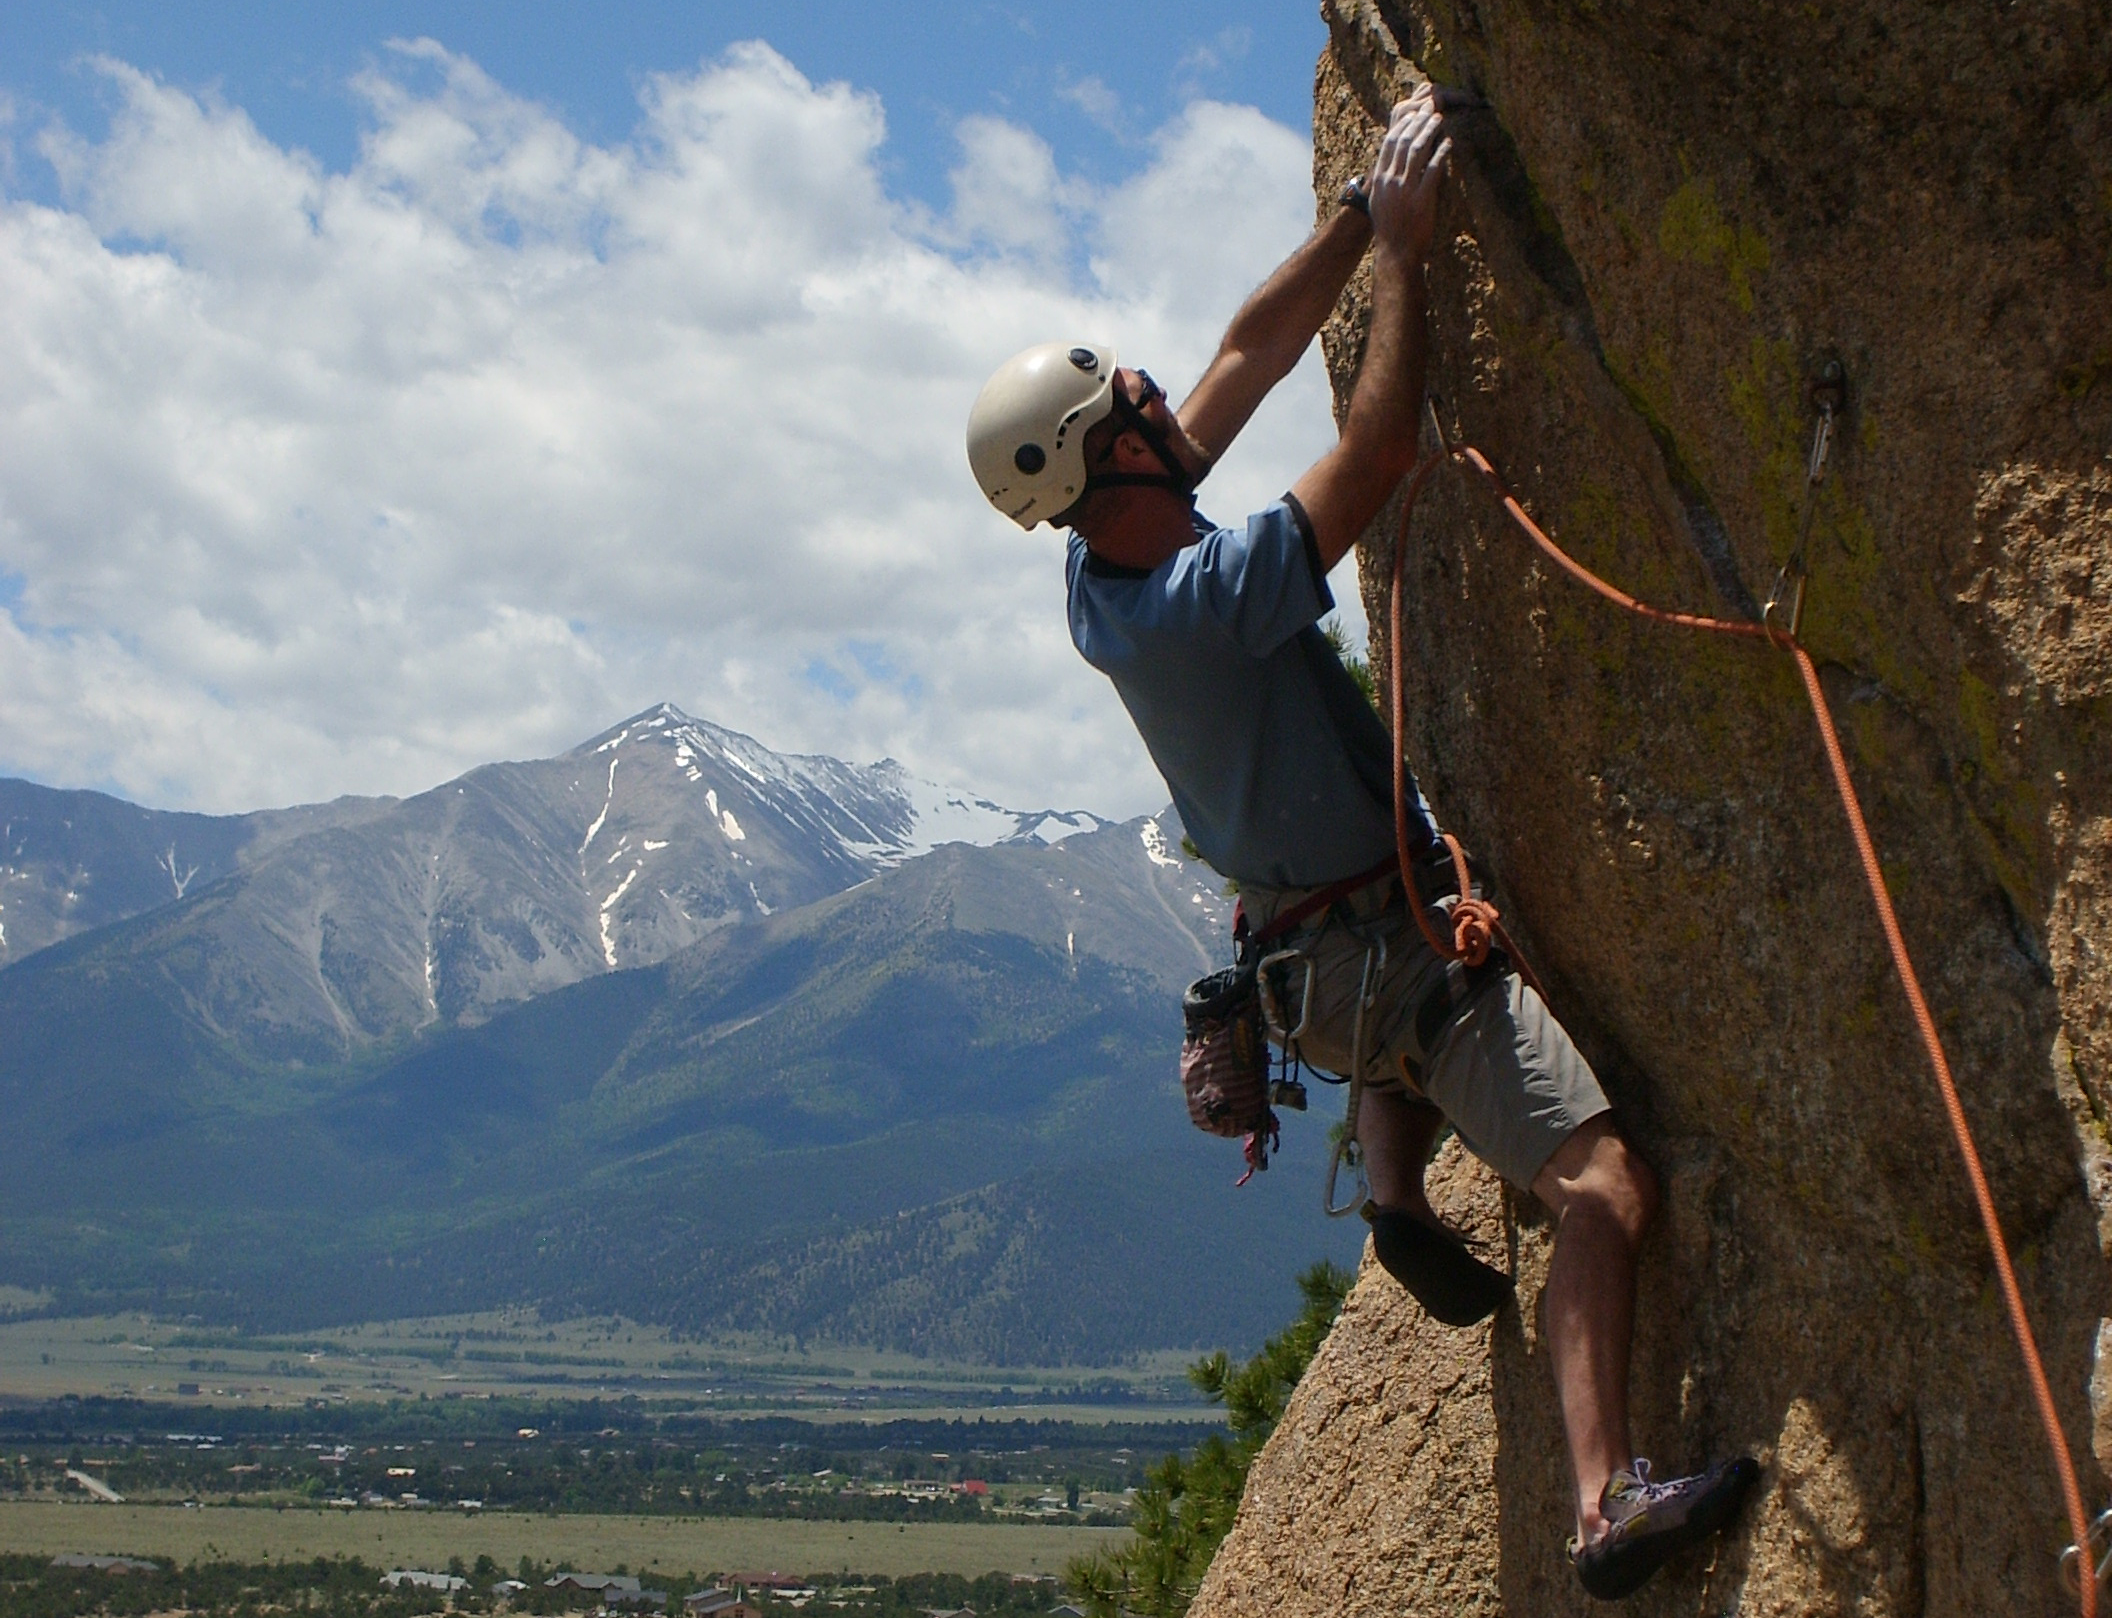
x: 1147, y: 390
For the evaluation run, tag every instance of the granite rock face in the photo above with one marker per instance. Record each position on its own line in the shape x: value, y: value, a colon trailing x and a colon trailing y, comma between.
x: 1667, y: 218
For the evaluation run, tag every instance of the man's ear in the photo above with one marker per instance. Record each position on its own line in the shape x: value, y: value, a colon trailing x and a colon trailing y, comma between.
x: 1132, y: 454
x: 1099, y: 443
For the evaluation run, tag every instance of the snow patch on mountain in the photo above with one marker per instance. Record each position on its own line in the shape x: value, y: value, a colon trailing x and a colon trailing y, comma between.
x: 602, y: 819
x: 941, y: 815
x: 1155, y: 845
x: 873, y: 816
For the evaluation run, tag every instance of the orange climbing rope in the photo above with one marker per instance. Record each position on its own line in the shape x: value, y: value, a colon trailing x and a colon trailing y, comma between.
x: 1477, y: 925
x: 1880, y: 896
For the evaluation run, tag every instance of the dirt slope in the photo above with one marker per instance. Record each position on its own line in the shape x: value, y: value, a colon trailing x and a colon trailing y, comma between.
x: 1668, y: 217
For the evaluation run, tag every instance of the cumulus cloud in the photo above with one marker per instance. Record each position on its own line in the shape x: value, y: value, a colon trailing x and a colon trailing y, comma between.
x: 319, y: 482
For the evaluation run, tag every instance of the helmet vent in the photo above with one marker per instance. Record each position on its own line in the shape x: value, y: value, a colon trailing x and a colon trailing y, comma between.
x: 1085, y: 359
x: 1030, y: 458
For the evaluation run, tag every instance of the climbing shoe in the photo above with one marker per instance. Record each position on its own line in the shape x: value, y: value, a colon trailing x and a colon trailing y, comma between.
x: 1450, y: 1283
x: 1649, y: 1522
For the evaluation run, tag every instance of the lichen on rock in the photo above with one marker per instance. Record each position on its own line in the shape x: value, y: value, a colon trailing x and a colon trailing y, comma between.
x: 1667, y: 216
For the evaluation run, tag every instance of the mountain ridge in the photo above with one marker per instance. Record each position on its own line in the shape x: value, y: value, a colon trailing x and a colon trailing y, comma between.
x: 72, y: 860
x: 913, y: 1108
x: 368, y: 918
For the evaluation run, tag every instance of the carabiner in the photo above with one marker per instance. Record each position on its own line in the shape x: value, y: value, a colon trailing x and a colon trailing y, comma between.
x: 2100, y: 1545
x: 1794, y: 582
x: 1367, y: 992
x: 1272, y: 1007
x: 1829, y: 395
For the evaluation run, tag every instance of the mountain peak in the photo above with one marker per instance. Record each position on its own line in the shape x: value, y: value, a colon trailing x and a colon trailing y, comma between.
x: 884, y: 813
x: 510, y: 880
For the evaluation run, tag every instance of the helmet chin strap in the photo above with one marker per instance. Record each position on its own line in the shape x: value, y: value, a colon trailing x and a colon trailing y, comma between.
x: 1174, y: 479
x: 1140, y: 480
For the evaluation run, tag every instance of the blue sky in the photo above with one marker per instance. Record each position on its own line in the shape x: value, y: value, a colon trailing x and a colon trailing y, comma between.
x: 390, y: 389
x: 1093, y: 80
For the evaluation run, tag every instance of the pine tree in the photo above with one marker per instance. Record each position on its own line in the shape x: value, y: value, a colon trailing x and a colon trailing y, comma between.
x: 1186, y: 1507
x: 1359, y: 667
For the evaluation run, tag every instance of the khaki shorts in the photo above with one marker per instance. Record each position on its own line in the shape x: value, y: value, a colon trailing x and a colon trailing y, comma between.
x: 1481, y: 1047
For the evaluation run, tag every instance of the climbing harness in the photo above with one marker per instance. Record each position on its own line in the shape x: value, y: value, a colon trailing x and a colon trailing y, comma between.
x: 1829, y: 395
x: 1272, y: 976
x: 1224, y: 1058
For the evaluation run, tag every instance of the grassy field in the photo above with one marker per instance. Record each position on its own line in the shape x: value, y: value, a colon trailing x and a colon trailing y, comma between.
x: 644, y: 1544
x: 518, y: 1353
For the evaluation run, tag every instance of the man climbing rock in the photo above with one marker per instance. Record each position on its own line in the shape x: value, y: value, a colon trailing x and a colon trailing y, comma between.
x: 1282, y: 776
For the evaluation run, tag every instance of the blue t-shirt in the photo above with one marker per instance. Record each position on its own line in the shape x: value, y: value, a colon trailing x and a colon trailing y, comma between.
x: 1279, y: 768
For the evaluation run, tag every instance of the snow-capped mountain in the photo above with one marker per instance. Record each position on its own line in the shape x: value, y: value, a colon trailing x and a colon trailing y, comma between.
x: 689, y: 826
x: 650, y: 1026
x: 380, y: 916
x: 876, y: 815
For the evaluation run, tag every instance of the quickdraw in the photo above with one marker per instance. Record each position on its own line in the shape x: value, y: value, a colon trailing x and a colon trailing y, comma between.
x: 1829, y: 395
x: 1346, y: 1143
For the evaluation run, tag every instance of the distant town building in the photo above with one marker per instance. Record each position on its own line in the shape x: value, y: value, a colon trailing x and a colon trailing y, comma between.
x: 618, y: 1591
x: 719, y: 1603
x: 783, y: 1586
x: 410, y: 1578
x: 592, y: 1584
x: 775, y: 1582
x: 108, y: 1564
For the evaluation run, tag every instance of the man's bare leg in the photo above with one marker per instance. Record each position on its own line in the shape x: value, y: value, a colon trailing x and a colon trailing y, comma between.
x: 1603, y: 1197
x: 1396, y: 1130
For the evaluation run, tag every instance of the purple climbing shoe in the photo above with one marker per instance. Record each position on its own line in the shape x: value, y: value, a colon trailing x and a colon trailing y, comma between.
x: 1650, y: 1522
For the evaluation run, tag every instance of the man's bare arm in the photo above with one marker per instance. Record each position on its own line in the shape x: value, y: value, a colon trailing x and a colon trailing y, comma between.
x: 1346, y: 487
x: 1272, y: 329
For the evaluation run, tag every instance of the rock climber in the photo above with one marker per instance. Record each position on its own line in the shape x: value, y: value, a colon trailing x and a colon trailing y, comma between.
x: 1281, y: 774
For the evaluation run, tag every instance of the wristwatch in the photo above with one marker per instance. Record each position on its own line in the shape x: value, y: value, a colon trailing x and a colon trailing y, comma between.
x: 1352, y: 195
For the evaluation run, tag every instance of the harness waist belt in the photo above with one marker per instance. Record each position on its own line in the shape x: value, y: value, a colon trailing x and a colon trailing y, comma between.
x: 1312, y: 904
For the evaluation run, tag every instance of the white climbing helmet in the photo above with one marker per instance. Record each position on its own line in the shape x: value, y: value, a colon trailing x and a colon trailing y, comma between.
x: 1026, y: 432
